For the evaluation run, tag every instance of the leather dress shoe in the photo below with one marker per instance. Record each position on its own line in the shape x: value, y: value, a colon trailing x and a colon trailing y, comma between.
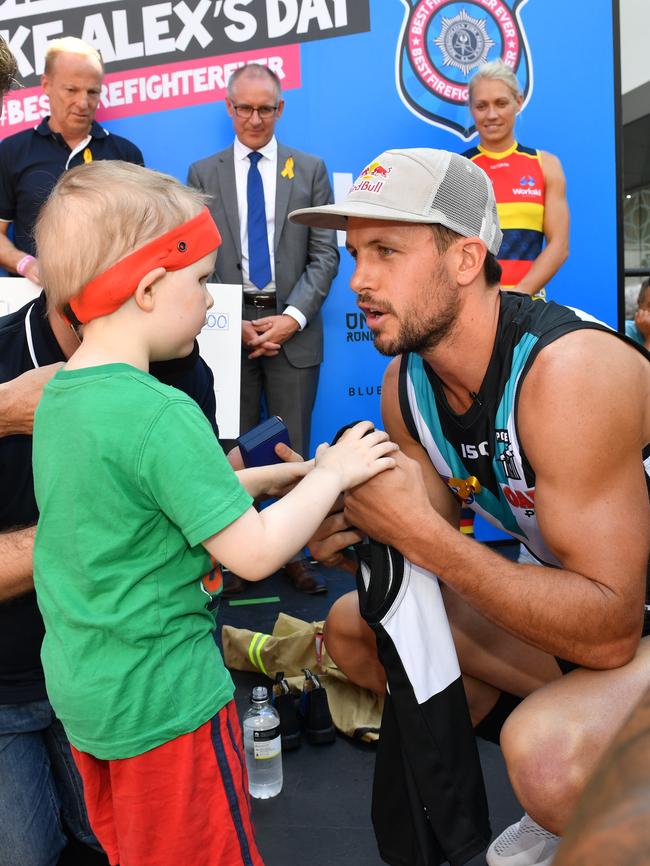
x: 233, y: 584
x: 304, y: 577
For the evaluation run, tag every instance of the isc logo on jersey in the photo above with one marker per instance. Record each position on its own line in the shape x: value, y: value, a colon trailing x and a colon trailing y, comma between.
x: 473, y: 452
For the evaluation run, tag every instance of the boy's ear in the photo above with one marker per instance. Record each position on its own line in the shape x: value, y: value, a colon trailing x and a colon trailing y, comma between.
x: 143, y: 294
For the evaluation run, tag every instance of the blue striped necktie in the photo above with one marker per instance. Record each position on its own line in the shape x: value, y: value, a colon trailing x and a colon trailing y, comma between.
x: 259, y: 262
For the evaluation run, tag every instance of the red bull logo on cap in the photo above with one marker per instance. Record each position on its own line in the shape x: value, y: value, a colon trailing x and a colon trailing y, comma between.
x: 371, y: 178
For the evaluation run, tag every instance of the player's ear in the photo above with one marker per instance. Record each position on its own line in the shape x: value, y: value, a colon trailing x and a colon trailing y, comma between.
x: 144, y: 295
x: 470, y: 262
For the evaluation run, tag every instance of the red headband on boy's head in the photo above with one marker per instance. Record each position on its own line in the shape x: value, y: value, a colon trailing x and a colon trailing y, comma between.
x: 178, y: 248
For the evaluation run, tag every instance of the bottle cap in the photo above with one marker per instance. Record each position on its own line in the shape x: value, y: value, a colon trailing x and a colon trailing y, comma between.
x: 259, y: 694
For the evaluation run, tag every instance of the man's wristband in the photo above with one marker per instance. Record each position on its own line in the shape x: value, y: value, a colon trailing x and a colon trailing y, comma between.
x: 21, y: 267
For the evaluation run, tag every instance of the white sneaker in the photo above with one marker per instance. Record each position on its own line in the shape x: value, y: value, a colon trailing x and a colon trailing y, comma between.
x: 523, y: 844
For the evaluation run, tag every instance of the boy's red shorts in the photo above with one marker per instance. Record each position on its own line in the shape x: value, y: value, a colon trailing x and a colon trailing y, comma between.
x: 184, y: 803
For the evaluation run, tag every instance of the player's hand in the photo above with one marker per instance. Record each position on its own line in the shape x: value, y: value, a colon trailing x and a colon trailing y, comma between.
x: 332, y: 538
x: 385, y: 507
x: 358, y: 455
x: 19, y: 398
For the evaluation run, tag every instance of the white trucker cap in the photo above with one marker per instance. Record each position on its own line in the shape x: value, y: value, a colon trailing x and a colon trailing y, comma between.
x: 420, y: 185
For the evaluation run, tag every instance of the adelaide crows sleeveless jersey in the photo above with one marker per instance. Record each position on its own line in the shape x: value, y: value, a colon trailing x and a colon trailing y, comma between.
x: 520, y: 192
x: 479, y: 454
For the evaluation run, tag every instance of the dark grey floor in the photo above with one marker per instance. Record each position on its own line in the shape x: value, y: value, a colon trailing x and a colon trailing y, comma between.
x: 323, y: 812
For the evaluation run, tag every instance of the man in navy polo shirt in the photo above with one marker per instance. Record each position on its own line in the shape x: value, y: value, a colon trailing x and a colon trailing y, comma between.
x: 41, y: 802
x: 32, y: 161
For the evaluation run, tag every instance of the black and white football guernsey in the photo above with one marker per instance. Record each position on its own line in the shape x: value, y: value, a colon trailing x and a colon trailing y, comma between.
x: 428, y: 802
x: 483, y: 443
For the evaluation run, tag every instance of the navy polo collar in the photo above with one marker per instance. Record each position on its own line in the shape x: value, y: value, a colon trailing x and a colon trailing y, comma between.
x: 37, y: 326
x: 96, y: 131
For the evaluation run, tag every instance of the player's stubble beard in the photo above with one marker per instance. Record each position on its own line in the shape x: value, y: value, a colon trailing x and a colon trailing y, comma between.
x: 426, y: 322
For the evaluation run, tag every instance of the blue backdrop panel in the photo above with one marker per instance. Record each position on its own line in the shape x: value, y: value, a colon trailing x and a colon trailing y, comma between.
x: 351, y: 104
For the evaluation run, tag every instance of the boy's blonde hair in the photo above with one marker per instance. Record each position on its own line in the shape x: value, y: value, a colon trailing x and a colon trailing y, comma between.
x: 99, y: 213
x: 70, y: 45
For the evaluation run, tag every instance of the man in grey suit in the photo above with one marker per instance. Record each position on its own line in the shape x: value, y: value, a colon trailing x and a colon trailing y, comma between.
x: 285, y: 269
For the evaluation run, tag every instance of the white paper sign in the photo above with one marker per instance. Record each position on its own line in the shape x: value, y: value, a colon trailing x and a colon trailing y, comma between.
x: 219, y: 342
x: 220, y: 345
x: 15, y: 292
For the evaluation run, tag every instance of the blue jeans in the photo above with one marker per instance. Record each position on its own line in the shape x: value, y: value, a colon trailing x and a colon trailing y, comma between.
x: 40, y: 787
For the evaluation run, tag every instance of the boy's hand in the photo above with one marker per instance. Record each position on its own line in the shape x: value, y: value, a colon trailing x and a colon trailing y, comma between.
x: 288, y: 455
x: 358, y: 455
x: 283, y: 477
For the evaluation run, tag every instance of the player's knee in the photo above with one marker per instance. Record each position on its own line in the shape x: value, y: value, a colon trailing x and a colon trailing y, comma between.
x: 341, y: 625
x: 331, y: 631
x: 544, y: 756
x: 351, y: 644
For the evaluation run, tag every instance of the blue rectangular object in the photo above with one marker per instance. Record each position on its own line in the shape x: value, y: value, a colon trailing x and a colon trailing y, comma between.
x: 257, y: 445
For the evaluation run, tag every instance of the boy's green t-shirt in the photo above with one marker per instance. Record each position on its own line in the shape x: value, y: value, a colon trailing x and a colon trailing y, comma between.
x: 129, y: 481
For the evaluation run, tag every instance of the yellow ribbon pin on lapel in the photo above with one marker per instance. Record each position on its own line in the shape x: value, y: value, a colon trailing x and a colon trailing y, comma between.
x: 88, y: 157
x: 287, y: 171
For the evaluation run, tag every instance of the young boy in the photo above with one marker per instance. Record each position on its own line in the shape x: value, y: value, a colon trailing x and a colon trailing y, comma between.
x: 137, y: 503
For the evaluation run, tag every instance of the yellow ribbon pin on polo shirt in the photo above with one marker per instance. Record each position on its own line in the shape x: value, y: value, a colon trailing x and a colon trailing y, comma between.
x: 88, y: 157
x: 287, y: 171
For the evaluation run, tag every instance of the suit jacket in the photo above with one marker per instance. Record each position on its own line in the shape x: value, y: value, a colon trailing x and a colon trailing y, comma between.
x: 306, y: 259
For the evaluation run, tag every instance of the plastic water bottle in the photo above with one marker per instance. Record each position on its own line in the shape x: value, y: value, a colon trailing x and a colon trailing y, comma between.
x: 262, y: 746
